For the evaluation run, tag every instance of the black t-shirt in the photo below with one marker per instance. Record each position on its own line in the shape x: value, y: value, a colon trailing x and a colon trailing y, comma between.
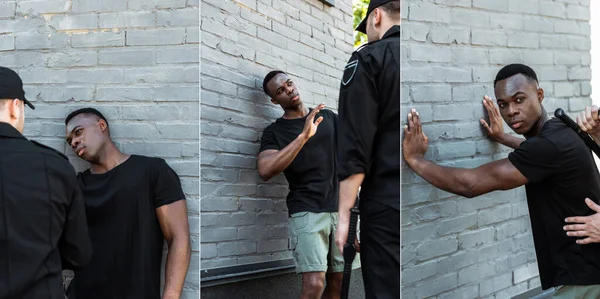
x: 561, y: 173
x: 312, y: 176
x: 369, y: 135
x: 126, y: 237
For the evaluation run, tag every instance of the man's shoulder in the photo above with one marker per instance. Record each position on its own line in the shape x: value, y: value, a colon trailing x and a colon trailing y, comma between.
x: 49, y: 150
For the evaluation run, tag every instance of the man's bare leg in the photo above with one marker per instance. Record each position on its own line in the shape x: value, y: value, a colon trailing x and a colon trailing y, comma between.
x: 333, y: 290
x: 313, y: 284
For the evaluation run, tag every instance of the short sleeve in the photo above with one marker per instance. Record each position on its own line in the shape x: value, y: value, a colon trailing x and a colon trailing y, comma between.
x: 537, y: 159
x: 358, y: 118
x: 268, y: 141
x: 167, y: 186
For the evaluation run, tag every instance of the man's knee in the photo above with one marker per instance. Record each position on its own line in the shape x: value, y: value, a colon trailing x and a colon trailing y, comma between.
x: 314, y: 281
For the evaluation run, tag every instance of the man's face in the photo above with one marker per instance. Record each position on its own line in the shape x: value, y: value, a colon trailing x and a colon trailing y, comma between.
x: 85, y: 136
x: 283, y: 91
x: 519, y: 100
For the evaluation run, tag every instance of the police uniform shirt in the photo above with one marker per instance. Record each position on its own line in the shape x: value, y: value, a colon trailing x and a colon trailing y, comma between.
x: 43, y: 227
x: 369, y: 119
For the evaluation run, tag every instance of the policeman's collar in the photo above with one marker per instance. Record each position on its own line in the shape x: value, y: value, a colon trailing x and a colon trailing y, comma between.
x: 7, y: 130
x: 394, y: 30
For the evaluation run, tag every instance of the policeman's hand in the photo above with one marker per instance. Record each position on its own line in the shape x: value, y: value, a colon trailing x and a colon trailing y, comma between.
x: 588, y: 226
x: 341, y: 235
x: 589, y: 121
x: 495, y: 129
x: 415, y: 142
x: 310, y: 127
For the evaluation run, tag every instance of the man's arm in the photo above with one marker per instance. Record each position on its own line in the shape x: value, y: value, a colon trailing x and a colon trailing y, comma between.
x: 588, y: 226
x: 497, y: 175
x: 173, y: 220
x: 74, y: 245
x: 273, y: 162
x: 495, y: 129
x: 357, y: 126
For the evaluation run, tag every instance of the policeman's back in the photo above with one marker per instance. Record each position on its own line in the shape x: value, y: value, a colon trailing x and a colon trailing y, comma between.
x: 42, y: 217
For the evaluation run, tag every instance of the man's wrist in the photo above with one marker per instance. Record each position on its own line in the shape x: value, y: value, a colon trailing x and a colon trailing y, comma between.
x: 303, y: 137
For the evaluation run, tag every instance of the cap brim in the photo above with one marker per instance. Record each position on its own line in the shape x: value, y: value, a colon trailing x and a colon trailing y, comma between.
x: 362, y: 27
x: 28, y: 103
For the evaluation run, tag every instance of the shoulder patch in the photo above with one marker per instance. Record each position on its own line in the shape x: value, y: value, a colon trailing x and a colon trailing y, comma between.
x: 349, y: 71
x: 47, y: 147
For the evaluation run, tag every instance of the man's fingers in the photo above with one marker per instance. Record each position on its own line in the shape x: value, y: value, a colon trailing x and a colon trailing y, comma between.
x: 406, y: 132
x: 587, y: 240
x: 485, y: 125
x: 580, y: 123
x: 417, y: 120
x: 579, y: 233
x: 590, y: 203
x: 583, y: 119
x: 578, y: 219
x: 588, y: 113
x: 595, y: 116
x: 574, y: 227
x: 319, y: 120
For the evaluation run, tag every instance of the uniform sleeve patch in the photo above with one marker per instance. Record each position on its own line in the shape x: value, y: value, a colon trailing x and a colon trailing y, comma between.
x: 349, y: 72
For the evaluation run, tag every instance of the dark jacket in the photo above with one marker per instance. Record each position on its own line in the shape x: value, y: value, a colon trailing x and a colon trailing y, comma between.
x: 369, y: 119
x: 43, y: 227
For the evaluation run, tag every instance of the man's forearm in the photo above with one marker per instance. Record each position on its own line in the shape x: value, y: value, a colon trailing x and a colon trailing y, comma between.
x: 347, y: 197
x: 510, y: 141
x: 178, y: 260
x: 275, y: 164
x: 453, y: 180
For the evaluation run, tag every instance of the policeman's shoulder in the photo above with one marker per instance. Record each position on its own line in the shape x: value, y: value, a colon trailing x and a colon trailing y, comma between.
x: 49, y: 149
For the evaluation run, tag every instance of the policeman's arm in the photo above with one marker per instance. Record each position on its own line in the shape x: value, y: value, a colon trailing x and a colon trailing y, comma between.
x: 273, y: 162
x: 74, y: 245
x: 173, y: 220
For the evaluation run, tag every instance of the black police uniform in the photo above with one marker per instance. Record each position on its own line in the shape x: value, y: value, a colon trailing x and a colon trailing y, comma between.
x: 369, y: 142
x: 43, y: 227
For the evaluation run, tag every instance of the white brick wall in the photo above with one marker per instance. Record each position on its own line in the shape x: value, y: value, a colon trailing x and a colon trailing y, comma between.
x: 244, y: 220
x: 455, y: 247
x: 136, y: 61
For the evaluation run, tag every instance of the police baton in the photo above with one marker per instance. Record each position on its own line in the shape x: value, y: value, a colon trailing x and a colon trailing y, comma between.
x: 350, y: 249
x: 589, y: 141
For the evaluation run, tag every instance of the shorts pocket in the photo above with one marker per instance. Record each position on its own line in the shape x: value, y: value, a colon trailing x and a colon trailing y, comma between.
x: 300, y: 223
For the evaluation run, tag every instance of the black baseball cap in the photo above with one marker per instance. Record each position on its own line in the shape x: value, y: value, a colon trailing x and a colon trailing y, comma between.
x: 11, y: 86
x: 362, y: 27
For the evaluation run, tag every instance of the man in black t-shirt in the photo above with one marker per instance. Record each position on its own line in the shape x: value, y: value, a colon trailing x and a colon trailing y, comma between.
x: 307, y: 157
x: 133, y: 203
x: 553, y: 163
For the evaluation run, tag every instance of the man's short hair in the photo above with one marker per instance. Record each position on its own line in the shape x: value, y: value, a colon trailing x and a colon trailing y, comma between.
x: 87, y: 110
x: 392, y: 8
x: 513, y: 69
x: 268, y: 78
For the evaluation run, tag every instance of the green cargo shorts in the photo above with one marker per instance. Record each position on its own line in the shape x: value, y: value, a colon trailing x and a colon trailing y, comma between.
x: 312, y: 240
x: 577, y: 292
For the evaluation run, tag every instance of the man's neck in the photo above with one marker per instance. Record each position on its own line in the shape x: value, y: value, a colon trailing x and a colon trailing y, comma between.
x: 537, y: 128
x: 298, y: 112
x: 109, y: 158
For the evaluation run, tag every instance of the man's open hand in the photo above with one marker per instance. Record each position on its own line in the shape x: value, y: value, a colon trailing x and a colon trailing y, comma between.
x: 310, y: 126
x: 415, y: 142
x: 494, y: 129
x: 585, y: 226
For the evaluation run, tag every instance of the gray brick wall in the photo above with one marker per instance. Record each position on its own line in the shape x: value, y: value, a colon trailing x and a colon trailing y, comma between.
x: 244, y: 220
x: 454, y: 247
x: 137, y: 61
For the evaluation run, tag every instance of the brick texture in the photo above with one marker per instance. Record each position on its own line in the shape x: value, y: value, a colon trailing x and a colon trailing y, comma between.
x: 454, y: 247
x: 136, y: 61
x: 241, y: 41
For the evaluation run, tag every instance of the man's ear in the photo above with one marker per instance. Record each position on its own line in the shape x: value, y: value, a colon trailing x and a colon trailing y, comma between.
x: 102, y: 125
x: 14, y: 108
x: 540, y: 93
x: 377, y: 16
x: 274, y: 101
